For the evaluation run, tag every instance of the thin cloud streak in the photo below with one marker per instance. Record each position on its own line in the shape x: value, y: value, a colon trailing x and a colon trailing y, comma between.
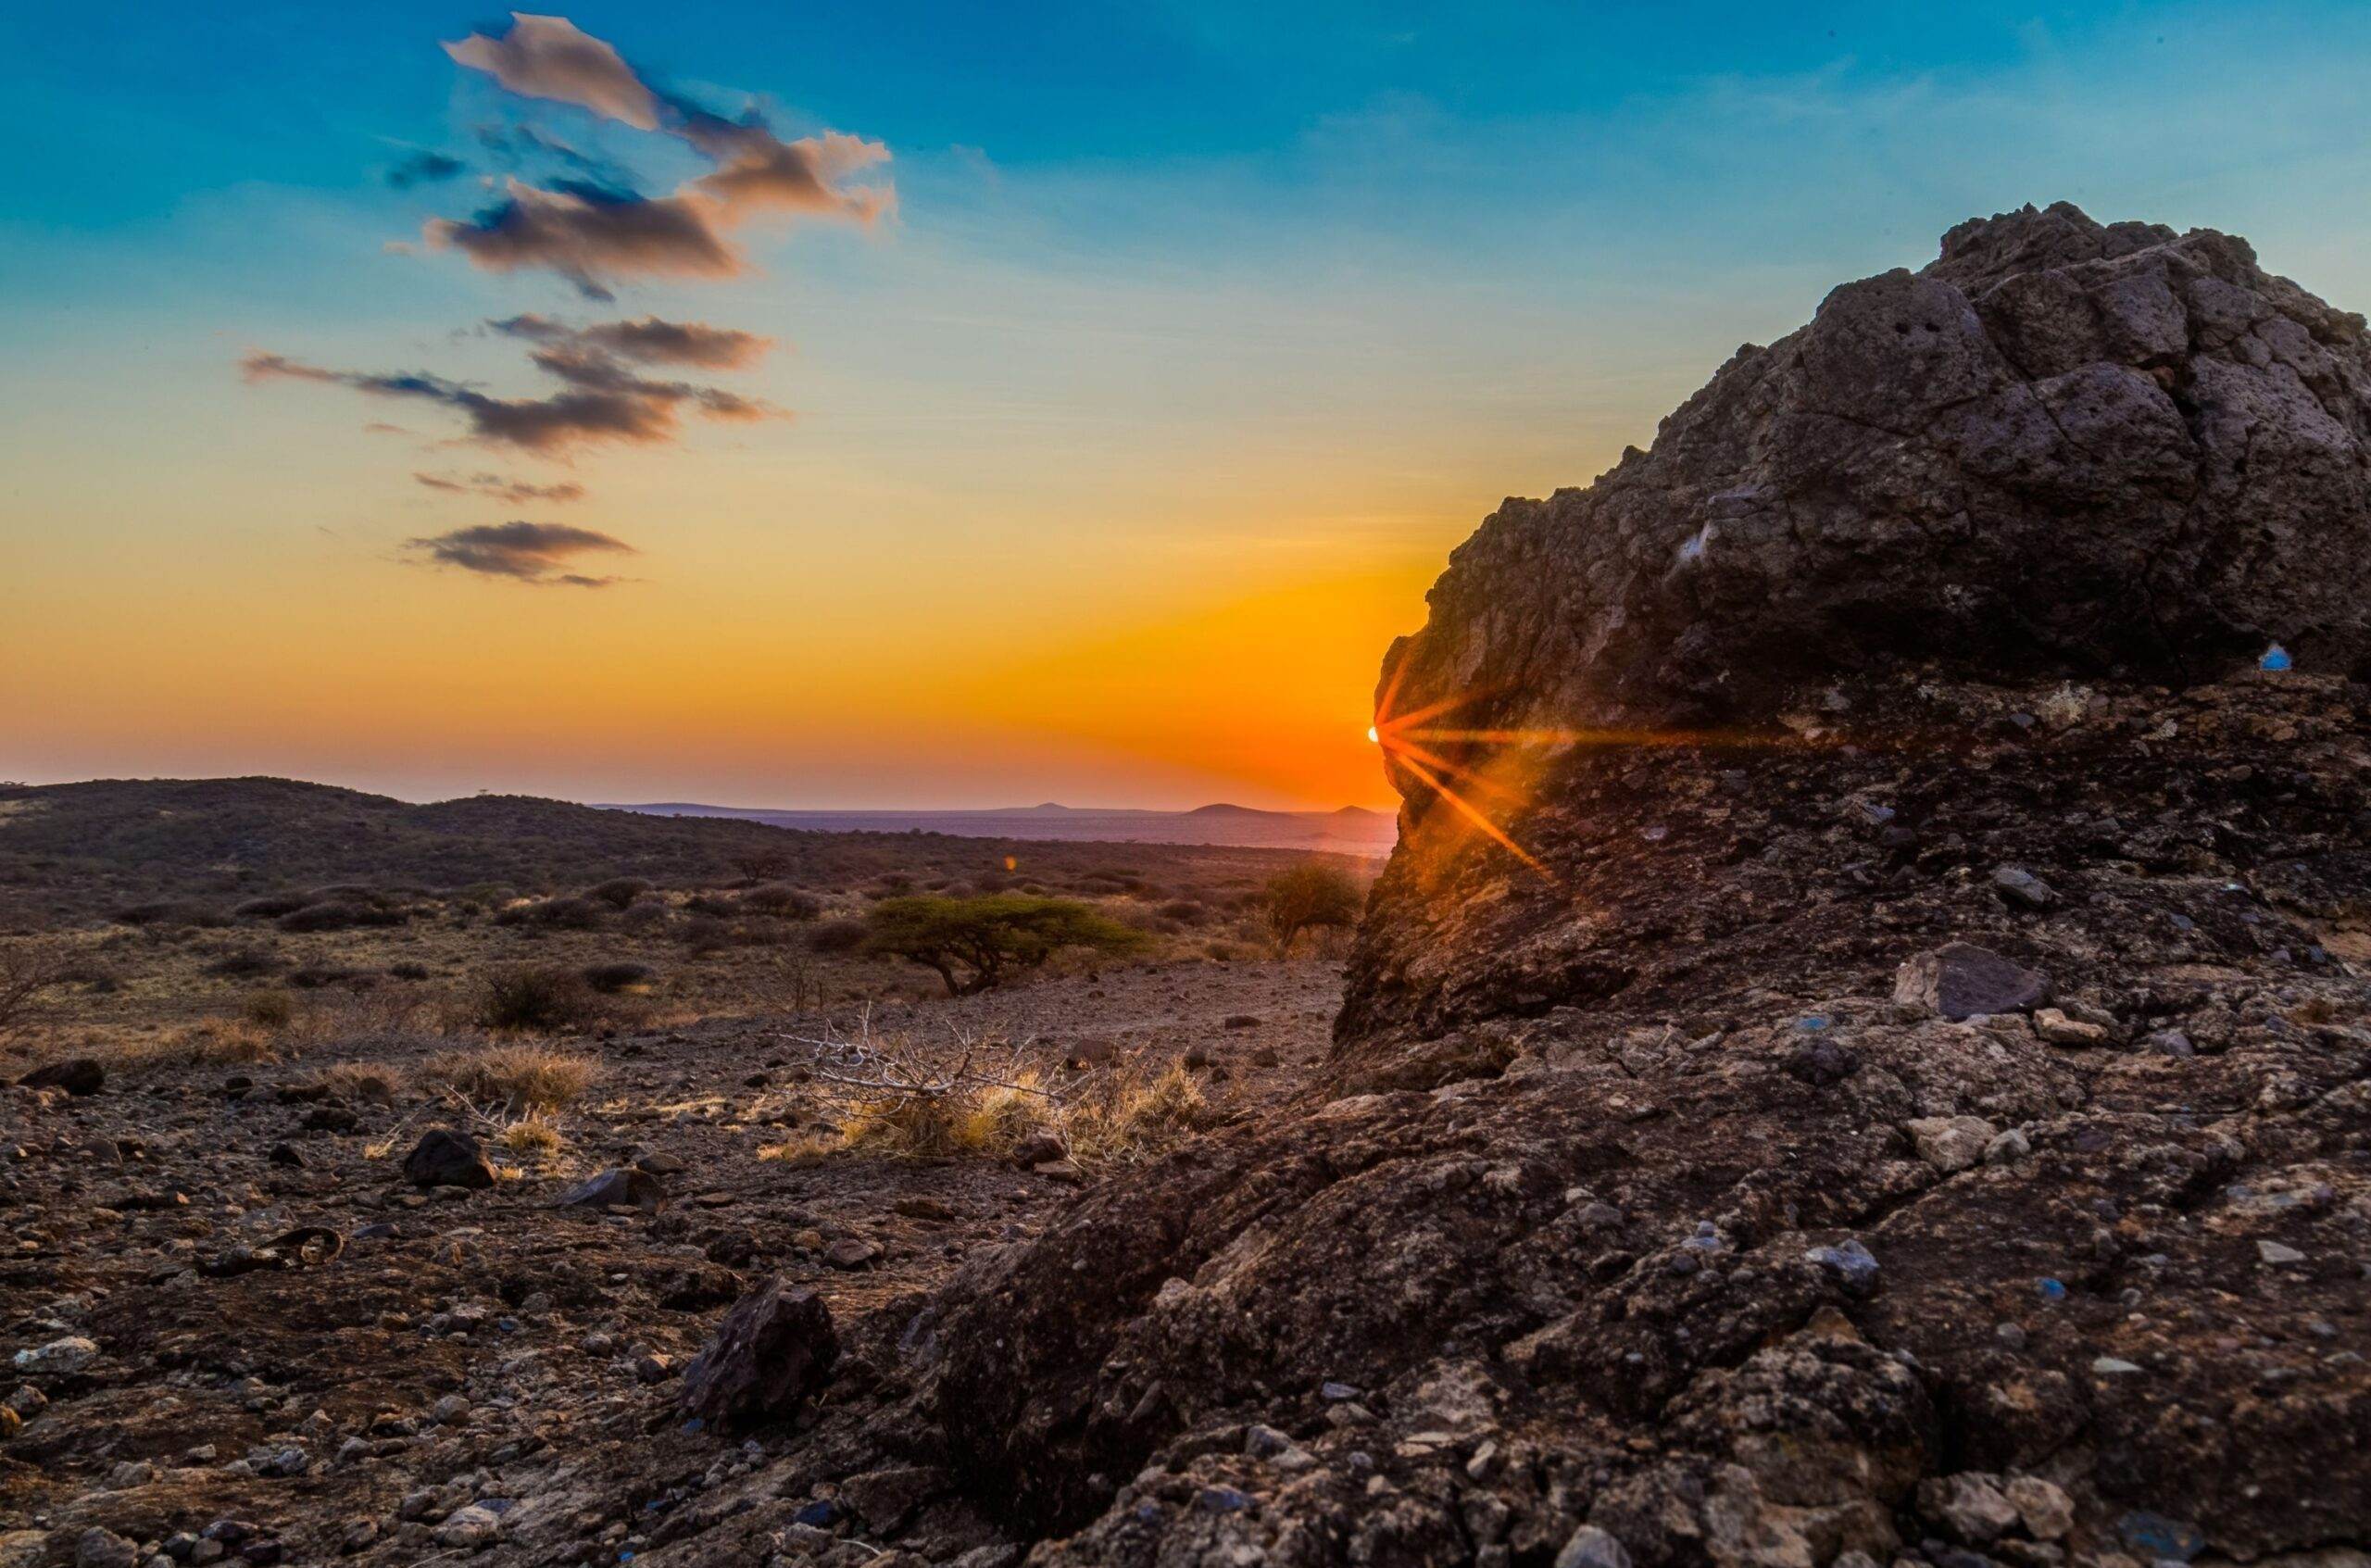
x: 544, y: 554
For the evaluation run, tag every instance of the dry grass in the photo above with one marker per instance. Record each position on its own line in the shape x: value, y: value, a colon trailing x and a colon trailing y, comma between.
x: 374, y: 1083
x: 212, y: 1043
x: 519, y: 1078
x: 1122, y: 1120
x: 533, y: 1137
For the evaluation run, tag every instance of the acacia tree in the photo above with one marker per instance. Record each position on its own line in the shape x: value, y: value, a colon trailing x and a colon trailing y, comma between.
x: 1308, y: 896
x: 977, y: 944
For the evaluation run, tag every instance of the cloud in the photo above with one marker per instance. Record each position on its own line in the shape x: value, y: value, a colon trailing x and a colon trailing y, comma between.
x: 591, y: 236
x: 649, y: 341
x: 423, y: 168
x: 517, y: 491
x: 597, y: 233
x: 757, y: 171
x: 548, y: 58
x: 540, y: 553
x: 603, y: 403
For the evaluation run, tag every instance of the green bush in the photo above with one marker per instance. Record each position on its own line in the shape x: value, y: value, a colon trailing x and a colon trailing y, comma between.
x: 619, y: 891
x: 977, y: 944
x: 1308, y: 896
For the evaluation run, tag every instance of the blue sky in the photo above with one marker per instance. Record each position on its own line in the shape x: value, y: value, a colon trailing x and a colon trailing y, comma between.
x: 1217, y: 323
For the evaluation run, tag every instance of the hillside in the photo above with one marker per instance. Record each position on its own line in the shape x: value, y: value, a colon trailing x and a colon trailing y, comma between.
x: 74, y: 851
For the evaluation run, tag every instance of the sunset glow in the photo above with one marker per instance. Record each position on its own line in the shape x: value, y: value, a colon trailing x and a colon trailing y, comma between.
x: 884, y: 408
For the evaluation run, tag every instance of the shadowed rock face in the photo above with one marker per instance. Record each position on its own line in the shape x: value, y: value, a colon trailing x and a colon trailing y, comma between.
x: 2059, y: 448
x: 1659, y: 1207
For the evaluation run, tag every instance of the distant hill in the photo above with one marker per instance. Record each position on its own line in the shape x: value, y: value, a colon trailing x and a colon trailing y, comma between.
x: 1352, y: 830
x: 76, y: 850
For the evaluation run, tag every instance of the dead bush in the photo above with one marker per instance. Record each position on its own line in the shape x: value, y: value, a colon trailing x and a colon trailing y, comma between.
x: 519, y: 1078
x: 842, y: 935
x: 610, y: 979
x: 535, y: 997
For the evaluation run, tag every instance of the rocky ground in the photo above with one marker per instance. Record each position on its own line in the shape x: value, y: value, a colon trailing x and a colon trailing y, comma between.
x: 485, y: 1369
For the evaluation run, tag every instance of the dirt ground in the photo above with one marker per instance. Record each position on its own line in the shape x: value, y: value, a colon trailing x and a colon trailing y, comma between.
x: 491, y: 1348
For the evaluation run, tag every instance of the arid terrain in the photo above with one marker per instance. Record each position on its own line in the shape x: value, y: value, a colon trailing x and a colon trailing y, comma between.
x: 1861, y: 1056
x: 263, y: 1076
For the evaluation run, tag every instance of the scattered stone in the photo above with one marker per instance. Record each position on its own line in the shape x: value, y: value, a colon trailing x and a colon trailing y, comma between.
x: 2047, y: 1511
x: 446, y: 1157
x: 2008, y: 1149
x: 2277, y: 1253
x: 1970, y: 1505
x: 773, y: 1349
x: 1592, y: 1548
x: 99, y: 1547
x: 59, y: 1358
x: 1951, y: 1144
x: 1852, y: 1264
x: 1960, y: 979
x: 850, y: 1252
x: 619, y: 1188
x: 2022, y: 888
x: 2060, y: 1030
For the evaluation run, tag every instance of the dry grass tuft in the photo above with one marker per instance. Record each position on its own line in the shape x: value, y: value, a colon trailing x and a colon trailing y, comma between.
x: 1123, y: 1119
x: 213, y: 1043
x: 518, y: 1077
x: 533, y: 1135
x: 1135, y: 1118
x: 370, y: 1082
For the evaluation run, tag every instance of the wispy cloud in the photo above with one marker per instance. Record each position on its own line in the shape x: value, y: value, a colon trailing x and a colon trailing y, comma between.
x: 545, y: 554
x: 591, y: 236
x: 598, y: 233
x: 649, y: 341
x: 494, y: 486
x: 603, y: 403
x: 550, y: 57
x: 423, y: 168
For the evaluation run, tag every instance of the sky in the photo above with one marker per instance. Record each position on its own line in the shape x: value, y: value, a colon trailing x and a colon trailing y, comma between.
x: 934, y: 404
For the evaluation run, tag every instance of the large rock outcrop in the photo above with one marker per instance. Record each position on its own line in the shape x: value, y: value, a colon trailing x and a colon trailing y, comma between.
x: 1672, y: 1201
x: 2061, y: 448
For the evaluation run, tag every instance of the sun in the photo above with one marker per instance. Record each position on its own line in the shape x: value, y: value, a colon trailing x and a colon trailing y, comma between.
x: 1373, y: 737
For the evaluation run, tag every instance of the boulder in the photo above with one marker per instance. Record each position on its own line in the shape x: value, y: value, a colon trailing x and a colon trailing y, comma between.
x: 1960, y: 979
x: 76, y: 1074
x: 775, y: 1348
x: 446, y: 1157
x: 621, y: 1188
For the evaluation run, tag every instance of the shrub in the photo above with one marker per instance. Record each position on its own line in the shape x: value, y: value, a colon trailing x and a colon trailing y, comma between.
x: 271, y: 906
x: 317, y: 976
x: 171, y: 912
x: 976, y: 943
x: 520, y: 1078
x: 554, y: 914
x: 1185, y: 912
x: 1308, y: 896
x: 270, y: 1010
x: 834, y: 936
x: 781, y: 902
x: 618, y: 892
x: 369, y: 1082
x: 611, y: 978
x: 339, y: 916
x: 535, y: 997
x: 27, y: 972
x: 409, y: 970
x: 534, y: 1136
x: 248, y: 963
